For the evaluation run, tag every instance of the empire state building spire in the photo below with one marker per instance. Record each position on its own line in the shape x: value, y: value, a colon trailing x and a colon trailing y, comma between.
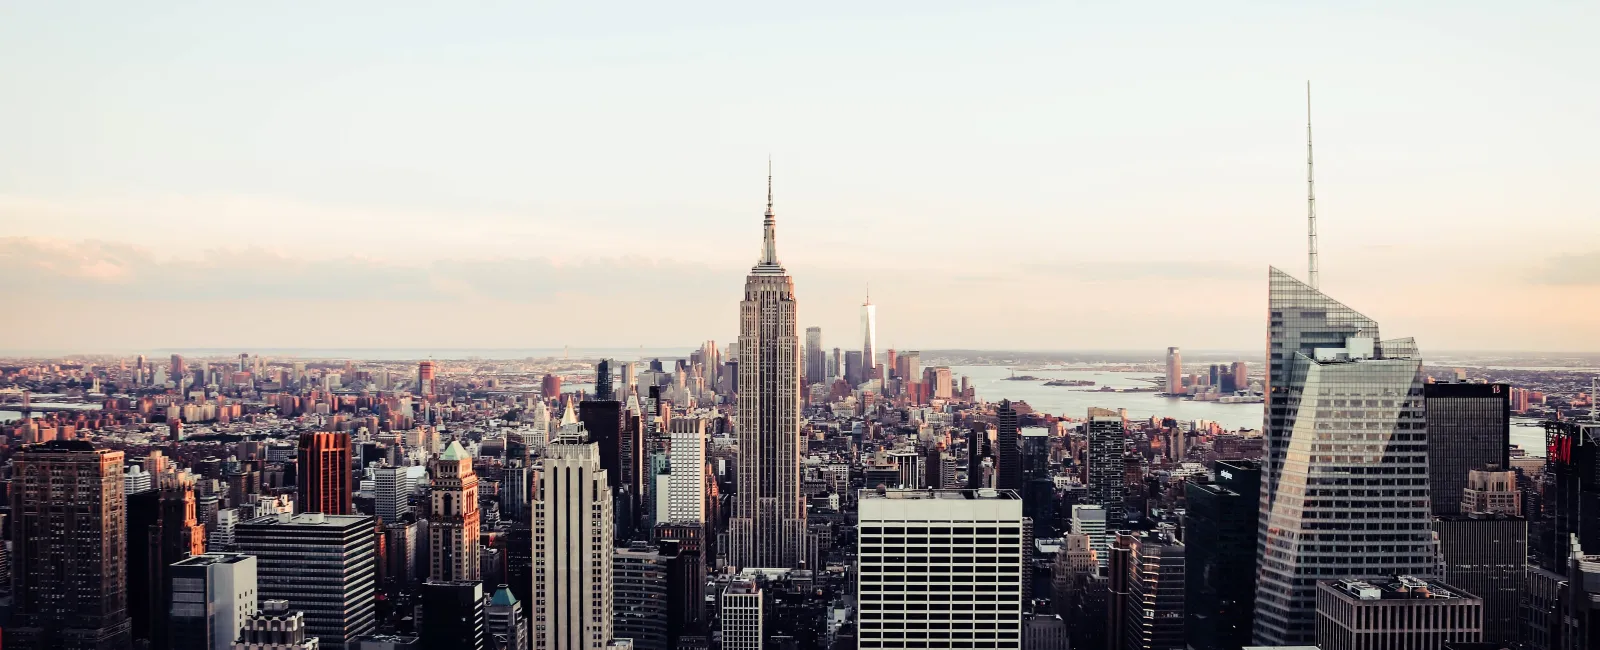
x: 769, y: 242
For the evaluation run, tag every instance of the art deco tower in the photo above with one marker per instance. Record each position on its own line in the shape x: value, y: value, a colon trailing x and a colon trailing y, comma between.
x: 769, y: 518
x: 453, y: 533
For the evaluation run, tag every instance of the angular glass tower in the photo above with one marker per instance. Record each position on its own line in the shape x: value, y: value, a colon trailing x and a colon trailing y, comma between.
x: 1344, y: 489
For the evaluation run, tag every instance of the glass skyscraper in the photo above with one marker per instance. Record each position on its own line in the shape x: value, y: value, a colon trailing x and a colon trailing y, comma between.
x: 1345, y: 482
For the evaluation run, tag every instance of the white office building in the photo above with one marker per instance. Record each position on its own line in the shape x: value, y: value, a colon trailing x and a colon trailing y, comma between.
x: 685, y: 501
x: 572, y: 536
x: 742, y: 621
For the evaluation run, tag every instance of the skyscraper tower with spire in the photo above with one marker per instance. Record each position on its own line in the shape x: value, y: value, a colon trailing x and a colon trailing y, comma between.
x: 769, y: 518
x: 869, y: 336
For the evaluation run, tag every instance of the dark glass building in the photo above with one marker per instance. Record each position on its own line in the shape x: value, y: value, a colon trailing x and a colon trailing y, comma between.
x: 1486, y: 555
x: 1573, y: 457
x: 1469, y: 427
x: 1220, y: 534
x: 1007, y: 449
x: 452, y: 615
x: 603, y: 419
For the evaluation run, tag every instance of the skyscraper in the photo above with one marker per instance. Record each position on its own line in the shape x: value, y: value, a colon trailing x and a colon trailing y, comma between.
x: 743, y: 616
x: 604, y: 382
x: 686, y: 484
x: 1469, y: 427
x: 208, y: 599
x: 1486, y: 555
x: 572, y: 529
x: 943, y: 590
x: 176, y: 535
x: 1345, y: 482
x: 1220, y: 535
x: 1174, y: 371
x: 453, y: 615
x: 768, y: 528
x: 816, y: 357
x: 324, y: 566
x: 603, y: 421
x: 639, y: 580
x: 869, y: 336
x: 391, y: 493
x: 67, y: 533
x: 1107, y: 465
x: 1153, y: 615
x: 324, y: 472
x: 1007, y: 450
x: 453, y: 522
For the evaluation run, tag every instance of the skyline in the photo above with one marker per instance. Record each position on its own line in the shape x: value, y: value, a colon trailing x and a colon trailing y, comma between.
x: 1100, y: 190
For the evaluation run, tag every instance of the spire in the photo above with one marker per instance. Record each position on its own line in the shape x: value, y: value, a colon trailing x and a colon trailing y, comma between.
x: 769, y: 243
x: 1311, y: 198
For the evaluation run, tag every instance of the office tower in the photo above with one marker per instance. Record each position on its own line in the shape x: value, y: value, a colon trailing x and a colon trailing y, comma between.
x: 516, y: 482
x: 1214, y: 377
x: 603, y: 420
x: 1404, y: 613
x: 1241, y: 375
x: 630, y: 377
x: 427, y: 381
x: 400, y: 553
x: 143, y: 522
x: 1119, y: 591
x: 324, y: 565
x: 836, y: 365
x: 604, y: 386
x: 179, y: 371
x: 136, y: 480
x: 68, y: 515
x: 1469, y: 427
x: 639, y: 577
x: 1486, y: 555
x: 959, y: 582
x: 1045, y: 632
x: 1153, y: 614
x: 742, y: 616
x: 1220, y: 535
x: 572, y: 528
x: 323, y: 472
x: 713, y: 362
x: 976, y: 439
x: 1091, y: 520
x: 1345, y: 482
x: 1007, y: 449
x: 209, y: 596
x: 1174, y: 371
x: 507, y: 629
x: 1107, y: 464
x: 453, y: 520
x: 1573, y: 457
x: 686, y: 483
x: 686, y: 545
x: 452, y: 614
x: 854, y: 368
x: 937, y: 382
x: 816, y: 358
x: 909, y: 366
x: 391, y: 497
x: 276, y: 627
x: 550, y: 386
x: 1492, y: 491
x: 869, y: 336
x: 175, y: 535
x: 768, y: 528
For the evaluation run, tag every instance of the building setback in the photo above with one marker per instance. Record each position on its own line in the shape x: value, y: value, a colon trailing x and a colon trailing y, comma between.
x: 324, y: 566
x: 940, y: 567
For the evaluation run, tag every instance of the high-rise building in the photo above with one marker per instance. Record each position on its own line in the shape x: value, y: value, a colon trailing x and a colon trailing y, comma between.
x: 1220, y: 537
x: 324, y: 565
x: 1241, y: 375
x: 768, y: 528
x: 909, y: 366
x: 1153, y: 614
x: 1573, y: 457
x: 686, y: 577
x: 454, y: 519
x: 1090, y: 521
x: 1007, y: 449
x: 604, y: 383
x: 453, y: 614
x: 324, y: 472
x: 1345, y: 482
x: 854, y: 370
x: 1174, y: 371
x: 507, y: 628
x: 958, y: 585
x: 209, y: 596
x: 1487, y: 556
x: 572, y: 532
x: 391, y: 496
x: 816, y: 357
x: 428, y: 382
x: 869, y: 336
x: 604, y: 422
x: 1404, y: 613
x: 743, y: 616
x: 516, y: 484
x: 276, y: 627
x: 68, y: 513
x: 1107, y: 464
x: 1492, y: 491
x: 639, y: 579
x: 176, y: 535
x: 686, y: 483
x: 1469, y: 427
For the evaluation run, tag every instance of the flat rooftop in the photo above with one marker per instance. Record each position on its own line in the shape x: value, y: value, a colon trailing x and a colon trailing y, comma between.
x: 965, y: 495
x: 1398, y: 588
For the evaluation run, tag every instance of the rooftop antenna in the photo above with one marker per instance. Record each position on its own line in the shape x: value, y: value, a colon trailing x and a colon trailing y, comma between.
x: 1311, y: 194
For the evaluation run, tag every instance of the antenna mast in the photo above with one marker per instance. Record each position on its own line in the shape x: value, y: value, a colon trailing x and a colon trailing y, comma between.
x: 1311, y: 195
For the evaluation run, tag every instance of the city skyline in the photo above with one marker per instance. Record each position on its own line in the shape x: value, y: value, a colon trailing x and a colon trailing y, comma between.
x: 1187, y: 202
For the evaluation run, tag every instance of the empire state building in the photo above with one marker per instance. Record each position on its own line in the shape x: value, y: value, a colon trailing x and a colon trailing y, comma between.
x: 768, y: 529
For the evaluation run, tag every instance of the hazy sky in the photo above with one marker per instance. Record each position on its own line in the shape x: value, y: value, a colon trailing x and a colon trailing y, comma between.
x: 1004, y: 175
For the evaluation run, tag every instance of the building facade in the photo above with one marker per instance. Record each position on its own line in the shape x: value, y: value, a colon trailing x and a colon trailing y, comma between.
x: 768, y: 528
x: 453, y: 615
x: 1107, y: 464
x: 1220, y: 536
x: 940, y: 568
x: 275, y: 627
x: 743, y: 616
x: 639, y: 576
x: 1153, y: 615
x: 1487, y: 556
x: 572, y: 547
x: 453, y: 524
x: 1469, y: 428
x: 208, y: 599
x: 1404, y: 613
x: 324, y: 566
x: 685, y: 501
x: 324, y: 472
x: 1345, y: 480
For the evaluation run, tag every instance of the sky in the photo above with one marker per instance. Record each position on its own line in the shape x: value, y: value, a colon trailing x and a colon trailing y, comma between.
x: 1003, y: 175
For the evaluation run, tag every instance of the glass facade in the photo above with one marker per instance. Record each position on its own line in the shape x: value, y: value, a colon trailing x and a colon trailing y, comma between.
x: 1469, y: 426
x: 1345, y: 484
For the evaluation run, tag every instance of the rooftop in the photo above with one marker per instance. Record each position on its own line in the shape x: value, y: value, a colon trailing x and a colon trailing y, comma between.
x: 969, y: 495
x: 1398, y: 588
